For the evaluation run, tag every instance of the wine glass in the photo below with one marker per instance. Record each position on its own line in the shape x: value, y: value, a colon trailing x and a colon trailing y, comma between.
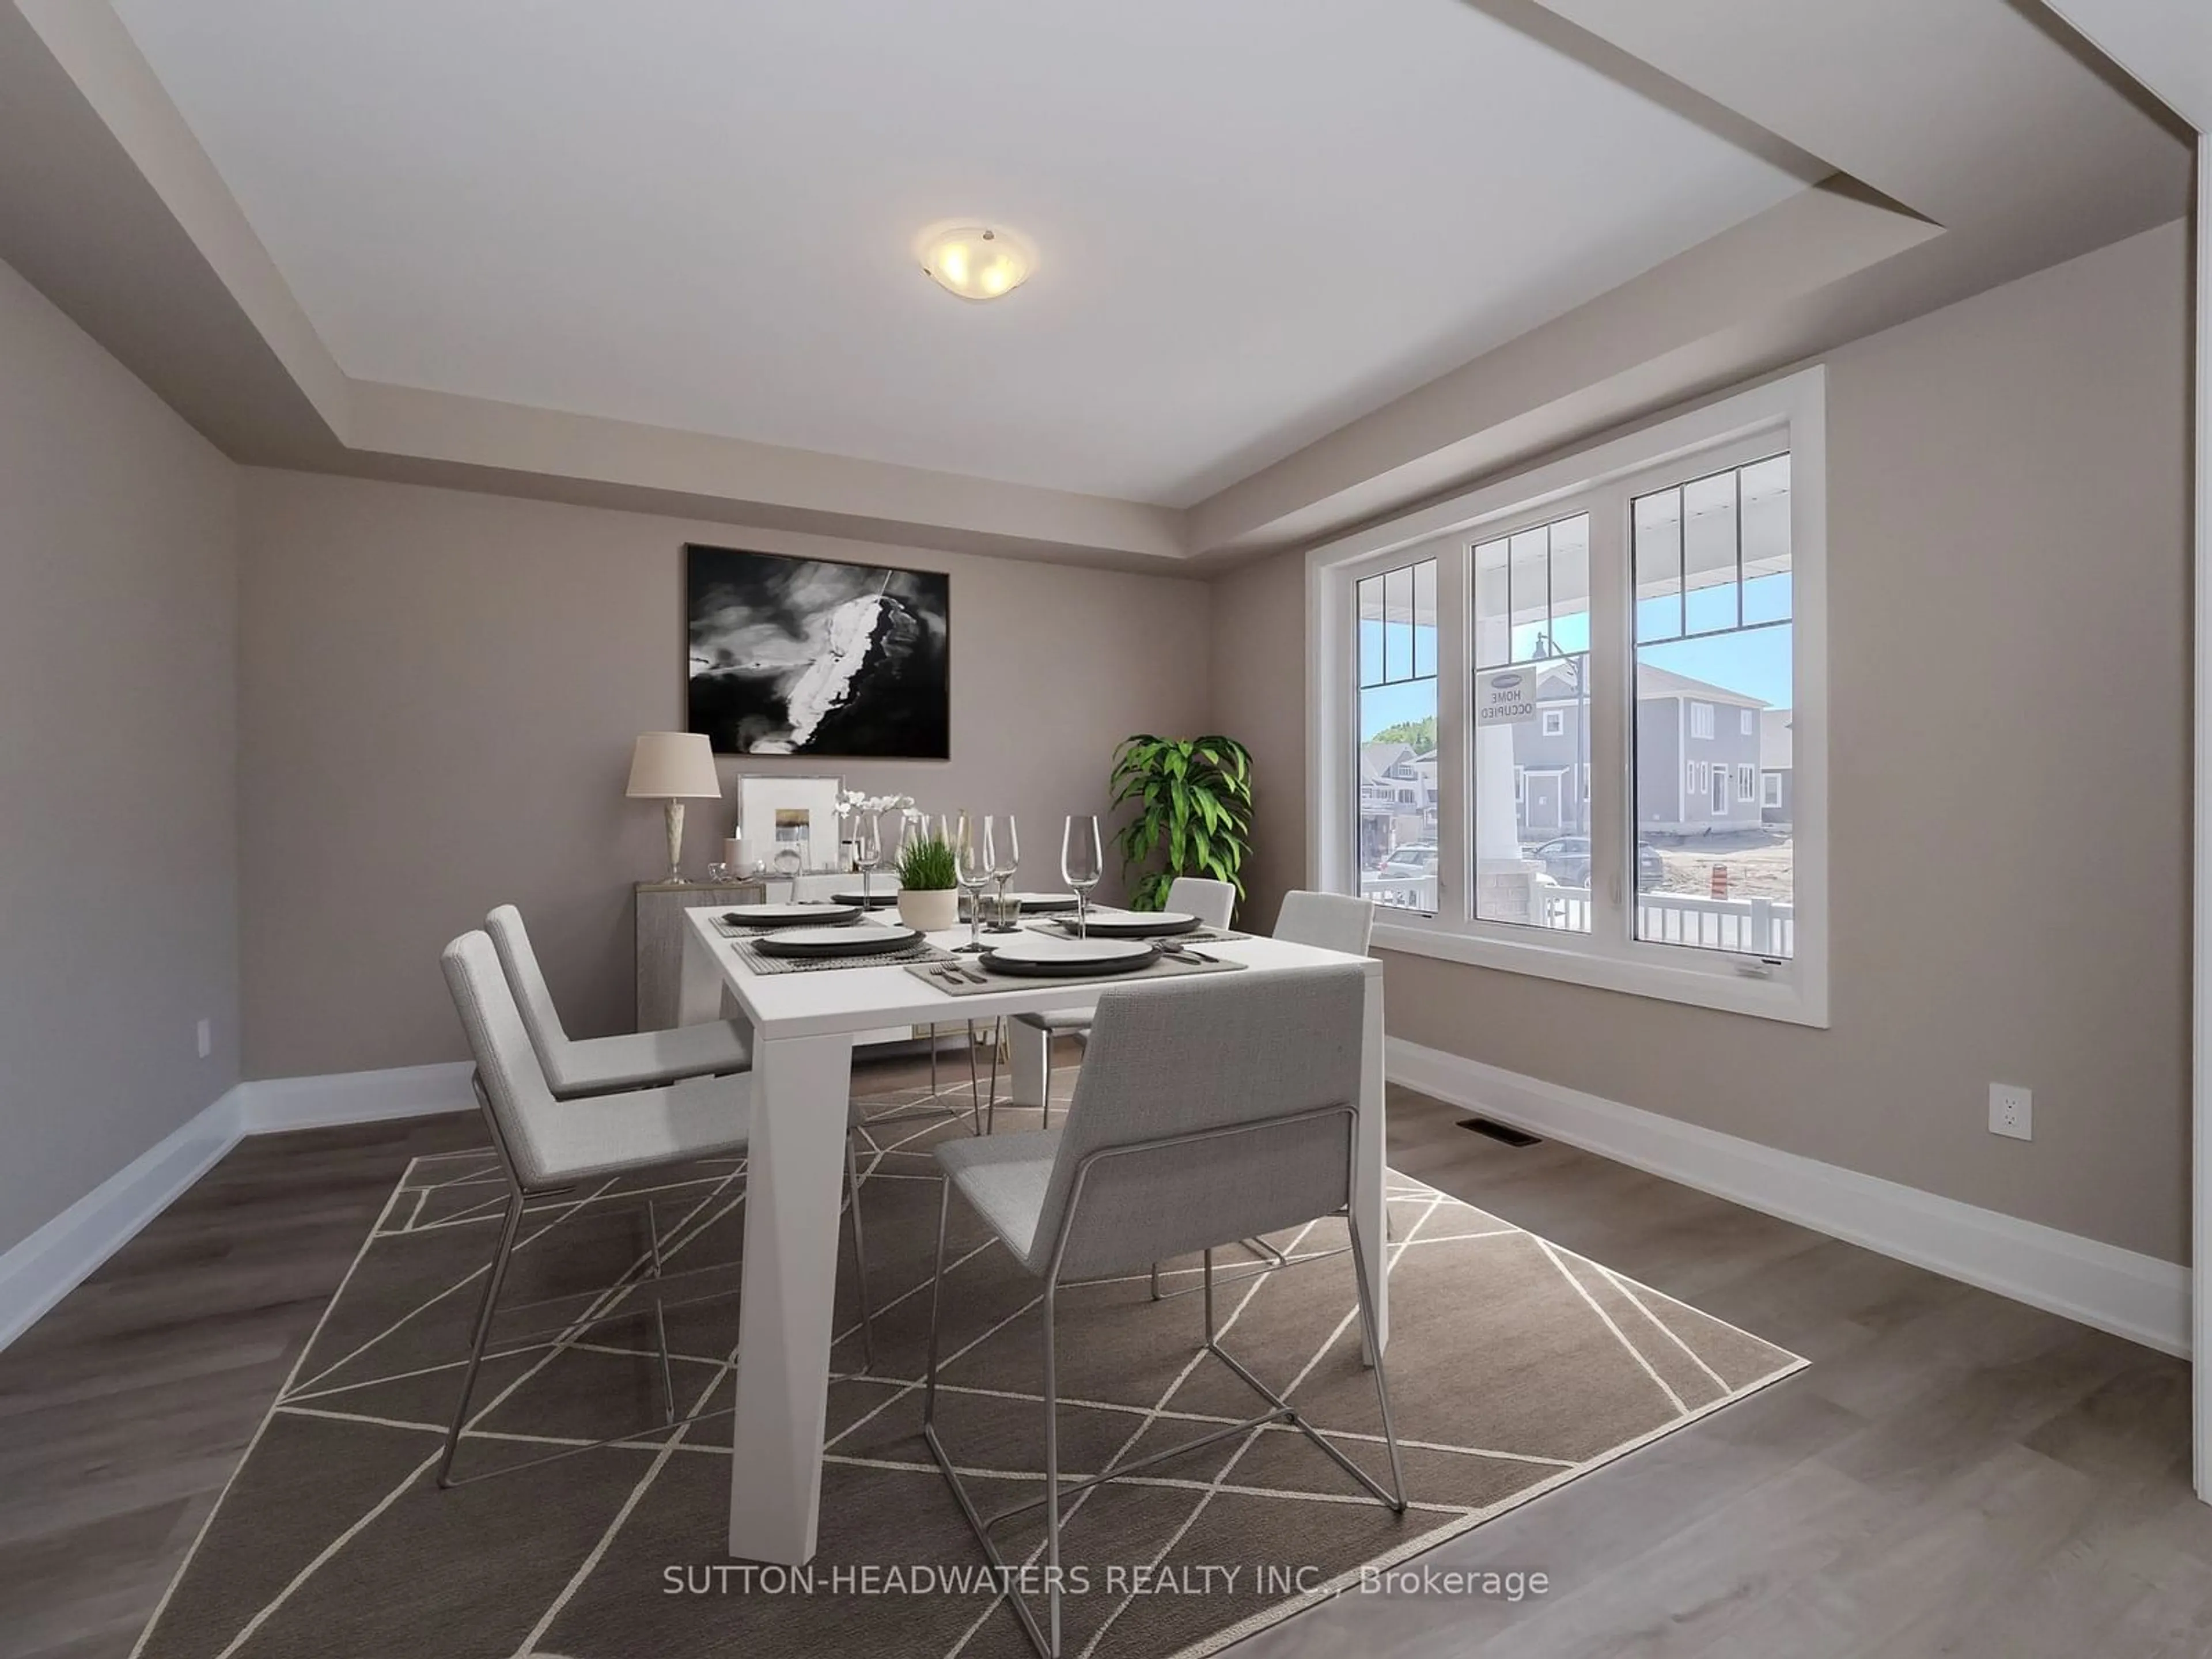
x: 971, y: 862
x: 1082, y: 862
x: 787, y: 860
x: 867, y: 851
x: 1007, y: 859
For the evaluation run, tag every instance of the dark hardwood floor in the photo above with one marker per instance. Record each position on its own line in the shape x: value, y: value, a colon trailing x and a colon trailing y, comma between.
x: 1955, y: 1474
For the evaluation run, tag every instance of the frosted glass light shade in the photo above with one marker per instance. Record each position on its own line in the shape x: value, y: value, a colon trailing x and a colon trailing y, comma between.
x: 976, y: 262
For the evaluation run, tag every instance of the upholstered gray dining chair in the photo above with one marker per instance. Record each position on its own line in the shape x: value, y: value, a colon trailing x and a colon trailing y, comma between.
x: 1330, y: 922
x: 596, y: 1066
x: 547, y: 1145
x: 1208, y: 1110
x: 1212, y: 902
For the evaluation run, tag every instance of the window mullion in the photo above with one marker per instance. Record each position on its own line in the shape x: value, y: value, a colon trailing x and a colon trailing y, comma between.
x: 1454, y: 694
x: 1612, y: 654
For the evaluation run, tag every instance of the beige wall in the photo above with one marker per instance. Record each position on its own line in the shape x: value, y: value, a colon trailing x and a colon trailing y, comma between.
x: 1258, y: 657
x: 440, y: 690
x: 2009, y: 656
x: 118, y: 748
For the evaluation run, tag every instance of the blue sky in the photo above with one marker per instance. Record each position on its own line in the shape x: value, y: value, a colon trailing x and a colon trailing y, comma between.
x: 1756, y: 663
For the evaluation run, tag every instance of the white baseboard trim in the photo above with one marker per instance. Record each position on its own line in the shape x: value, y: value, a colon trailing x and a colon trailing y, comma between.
x: 275, y: 1104
x: 2131, y: 1295
x: 40, y: 1270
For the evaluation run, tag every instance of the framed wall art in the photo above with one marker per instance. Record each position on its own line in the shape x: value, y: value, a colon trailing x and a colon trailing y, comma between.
x: 813, y: 657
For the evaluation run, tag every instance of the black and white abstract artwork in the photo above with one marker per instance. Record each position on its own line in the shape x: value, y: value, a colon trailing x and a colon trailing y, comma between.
x: 792, y: 656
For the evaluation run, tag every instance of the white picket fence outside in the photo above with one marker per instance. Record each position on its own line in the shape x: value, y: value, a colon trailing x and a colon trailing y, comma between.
x: 1749, y: 927
x: 1400, y: 892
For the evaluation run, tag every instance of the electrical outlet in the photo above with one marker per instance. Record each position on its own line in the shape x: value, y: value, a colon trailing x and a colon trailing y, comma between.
x: 2012, y: 1111
x: 206, y: 1038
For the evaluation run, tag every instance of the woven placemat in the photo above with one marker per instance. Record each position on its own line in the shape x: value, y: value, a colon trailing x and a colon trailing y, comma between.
x: 746, y: 941
x: 1165, y: 967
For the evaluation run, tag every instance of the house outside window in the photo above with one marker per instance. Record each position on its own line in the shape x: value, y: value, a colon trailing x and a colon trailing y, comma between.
x: 1396, y: 665
x: 1575, y: 631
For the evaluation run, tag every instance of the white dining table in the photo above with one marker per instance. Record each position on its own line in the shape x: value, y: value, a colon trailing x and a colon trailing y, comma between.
x: 804, y: 1027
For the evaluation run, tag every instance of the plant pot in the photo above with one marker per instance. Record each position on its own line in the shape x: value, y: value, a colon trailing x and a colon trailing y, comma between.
x: 933, y: 910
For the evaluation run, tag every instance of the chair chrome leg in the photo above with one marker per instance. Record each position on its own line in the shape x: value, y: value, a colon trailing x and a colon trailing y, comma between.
x: 936, y: 1301
x: 977, y: 1524
x: 1267, y: 1252
x: 1381, y: 1388
x: 1156, y: 1283
x: 975, y: 1085
x: 998, y: 1041
x: 1051, y: 1476
x: 934, y: 1091
x: 861, y: 1259
x: 493, y: 1280
x: 661, y: 1309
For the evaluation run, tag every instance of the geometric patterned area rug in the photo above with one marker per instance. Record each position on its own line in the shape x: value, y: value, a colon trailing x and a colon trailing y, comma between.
x: 1515, y: 1366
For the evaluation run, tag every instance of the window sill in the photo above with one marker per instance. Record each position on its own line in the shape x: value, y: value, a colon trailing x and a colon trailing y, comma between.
x: 1796, y: 998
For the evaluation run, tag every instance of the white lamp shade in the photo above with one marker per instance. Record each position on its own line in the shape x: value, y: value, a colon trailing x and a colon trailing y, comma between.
x: 674, y: 766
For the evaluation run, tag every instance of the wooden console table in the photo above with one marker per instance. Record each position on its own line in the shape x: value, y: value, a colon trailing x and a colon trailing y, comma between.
x: 660, y: 907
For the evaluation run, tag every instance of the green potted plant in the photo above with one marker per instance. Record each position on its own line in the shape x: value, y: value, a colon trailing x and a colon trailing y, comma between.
x: 1193, y: 798
x: 929, y: 888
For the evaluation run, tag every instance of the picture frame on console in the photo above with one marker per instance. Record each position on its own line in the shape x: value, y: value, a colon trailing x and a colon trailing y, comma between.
x: 776, y: 814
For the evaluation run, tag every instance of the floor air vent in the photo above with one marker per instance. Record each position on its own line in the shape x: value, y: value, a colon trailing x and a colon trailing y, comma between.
x: 1496, y: 1131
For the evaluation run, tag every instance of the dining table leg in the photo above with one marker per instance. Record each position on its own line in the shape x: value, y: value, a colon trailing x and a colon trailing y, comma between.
x: 698, y: 981
x: 1370, y: 1166
x: 794, y: 1168
x: 1031, y: 1054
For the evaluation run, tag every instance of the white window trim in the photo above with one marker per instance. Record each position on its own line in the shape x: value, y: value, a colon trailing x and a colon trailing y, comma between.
x: 1770, y: 783
x: 1746, y: 791
x: 1746, y: 724
x: 1554, y: 723
x: 1701, y: 716
x: 1791, y: 409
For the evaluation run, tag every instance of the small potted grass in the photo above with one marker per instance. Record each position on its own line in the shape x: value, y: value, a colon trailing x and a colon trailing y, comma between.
x: 929, y: 887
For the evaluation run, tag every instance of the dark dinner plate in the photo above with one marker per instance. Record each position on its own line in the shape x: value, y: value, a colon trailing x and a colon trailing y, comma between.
x: 1044, y: 904
x: 1134, y: 924
x: 878, y: 900
x: 790, y: 916
x: 1028, y: 958
x: 860, y: 941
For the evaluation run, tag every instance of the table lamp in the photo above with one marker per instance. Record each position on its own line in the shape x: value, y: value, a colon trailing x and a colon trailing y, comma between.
x: 671, y: 767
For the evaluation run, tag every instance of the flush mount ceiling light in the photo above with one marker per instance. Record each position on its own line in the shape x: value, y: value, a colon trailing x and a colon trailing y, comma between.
x: 976, y: 262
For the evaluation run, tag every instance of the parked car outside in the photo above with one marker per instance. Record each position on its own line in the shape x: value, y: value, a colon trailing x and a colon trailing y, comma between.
x: 1406, y: 878
x: 1566, y: 860
x: 1415, y: 859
